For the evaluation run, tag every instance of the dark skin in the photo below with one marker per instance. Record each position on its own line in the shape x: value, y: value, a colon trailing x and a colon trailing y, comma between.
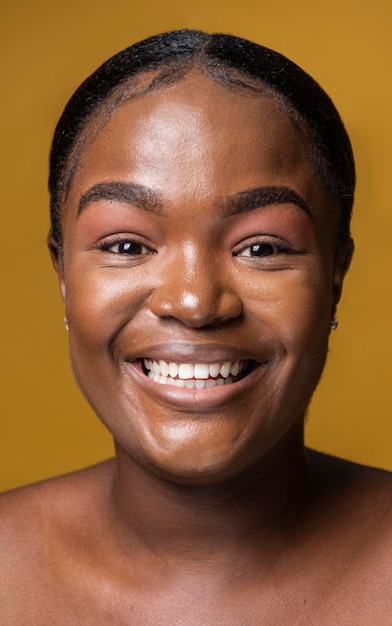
x: 211, y: 512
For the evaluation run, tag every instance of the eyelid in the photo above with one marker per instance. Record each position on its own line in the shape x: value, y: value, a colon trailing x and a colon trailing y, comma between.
x: 115, y: 240
x: 280, y: 245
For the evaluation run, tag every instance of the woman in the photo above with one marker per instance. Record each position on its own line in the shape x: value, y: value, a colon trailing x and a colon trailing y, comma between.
x: 201, y: 190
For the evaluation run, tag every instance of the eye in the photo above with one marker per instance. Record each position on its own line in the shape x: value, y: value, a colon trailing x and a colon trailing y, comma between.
x: 262, y: 249
x: 126, y: 247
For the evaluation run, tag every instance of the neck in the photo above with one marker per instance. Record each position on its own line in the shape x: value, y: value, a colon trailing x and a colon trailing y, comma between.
x: 256, y: 509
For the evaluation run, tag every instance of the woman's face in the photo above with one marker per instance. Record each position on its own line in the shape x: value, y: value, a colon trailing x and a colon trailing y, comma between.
x: 198, y: 277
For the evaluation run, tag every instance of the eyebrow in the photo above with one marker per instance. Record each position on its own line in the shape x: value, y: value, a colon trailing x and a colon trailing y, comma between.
x: 251, y: 199
x: 129, y: 193
x: 149, y: 200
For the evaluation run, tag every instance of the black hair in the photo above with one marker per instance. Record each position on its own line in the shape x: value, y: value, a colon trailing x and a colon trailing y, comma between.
x: 236, y: 62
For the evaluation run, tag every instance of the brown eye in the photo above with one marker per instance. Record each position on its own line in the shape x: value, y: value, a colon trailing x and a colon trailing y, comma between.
x: 261, y: 249
x: 127, y: 247
x: 130, y: 247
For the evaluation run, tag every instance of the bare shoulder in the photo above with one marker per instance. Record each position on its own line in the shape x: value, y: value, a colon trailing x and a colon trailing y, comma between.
x: 53, y: 499
x: 357, y: 483
x: 355, y: 504
x: 40, y: 508
x: 39, y: 527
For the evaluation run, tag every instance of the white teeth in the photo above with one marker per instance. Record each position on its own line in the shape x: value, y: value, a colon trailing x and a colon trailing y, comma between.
x: 235, y: 368
x: 193, y: 376
x: 164, y: 367
x: 185, y: 371
x: 225, y: 369
x: 173, y: 370
x: 200, y: 384
x: 214, y: 383
x: 201, y: 370
x: 214, y: 370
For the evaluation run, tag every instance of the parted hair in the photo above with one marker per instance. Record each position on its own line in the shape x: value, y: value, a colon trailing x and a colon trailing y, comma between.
x: 235, y: 62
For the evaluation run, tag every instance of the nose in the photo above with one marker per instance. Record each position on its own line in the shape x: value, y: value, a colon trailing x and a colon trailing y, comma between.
x: 195, y: 291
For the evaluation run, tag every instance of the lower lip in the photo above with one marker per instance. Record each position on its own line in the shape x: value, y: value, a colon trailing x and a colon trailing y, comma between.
x: 197, y: 399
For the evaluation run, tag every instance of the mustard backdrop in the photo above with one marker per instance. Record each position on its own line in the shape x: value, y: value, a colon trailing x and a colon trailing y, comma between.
x: 47, y: 48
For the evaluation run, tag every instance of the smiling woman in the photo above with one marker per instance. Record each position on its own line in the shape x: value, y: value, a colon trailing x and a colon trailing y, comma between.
x: 201, y: 192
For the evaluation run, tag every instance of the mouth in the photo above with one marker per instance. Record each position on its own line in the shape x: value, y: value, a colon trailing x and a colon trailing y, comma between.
x: 195, y: 375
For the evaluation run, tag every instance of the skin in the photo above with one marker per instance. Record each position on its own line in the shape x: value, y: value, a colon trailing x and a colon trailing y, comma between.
x: 211, y: 512
x: 198, y: 297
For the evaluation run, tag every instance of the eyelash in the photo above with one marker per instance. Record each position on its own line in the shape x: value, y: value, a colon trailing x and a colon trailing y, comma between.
x: 106, y: 246
x: 276, y: 247
x: 273, y: 248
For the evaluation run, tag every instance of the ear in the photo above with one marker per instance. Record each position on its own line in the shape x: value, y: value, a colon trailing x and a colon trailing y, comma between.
x: 342, y: 264
x: 58, y: 262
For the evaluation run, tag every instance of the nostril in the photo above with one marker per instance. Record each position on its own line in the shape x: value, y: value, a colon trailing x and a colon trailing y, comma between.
x: 207, y: 305
x: 218, y: 321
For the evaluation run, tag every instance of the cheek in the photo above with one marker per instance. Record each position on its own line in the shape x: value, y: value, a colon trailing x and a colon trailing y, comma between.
x: 304, y: 333
x: 99, y: 303
x: 294, y: 306
x: 295, y: 317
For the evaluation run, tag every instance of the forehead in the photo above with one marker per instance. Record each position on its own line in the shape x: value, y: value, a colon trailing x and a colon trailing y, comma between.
x: 195, y: 125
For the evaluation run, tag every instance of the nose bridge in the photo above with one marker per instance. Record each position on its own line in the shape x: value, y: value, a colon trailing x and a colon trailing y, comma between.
x: 197, y: 287
x: 193, y: 289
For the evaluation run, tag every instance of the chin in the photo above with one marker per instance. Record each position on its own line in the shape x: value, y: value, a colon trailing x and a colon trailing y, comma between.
x: 183, y: 464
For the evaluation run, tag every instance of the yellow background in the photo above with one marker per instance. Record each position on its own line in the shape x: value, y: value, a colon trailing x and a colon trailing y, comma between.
x: 47, y: 48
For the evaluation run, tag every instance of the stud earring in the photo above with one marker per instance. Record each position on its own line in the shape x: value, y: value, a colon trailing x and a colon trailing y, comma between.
x: 334, y: 323
x: 66, y: 323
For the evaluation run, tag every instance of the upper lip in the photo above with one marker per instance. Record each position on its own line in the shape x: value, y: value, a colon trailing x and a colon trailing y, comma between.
x: 179, y: 352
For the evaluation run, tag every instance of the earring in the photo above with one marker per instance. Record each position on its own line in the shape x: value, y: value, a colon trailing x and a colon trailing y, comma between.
x: 66, y: 323
x: 334, y: 323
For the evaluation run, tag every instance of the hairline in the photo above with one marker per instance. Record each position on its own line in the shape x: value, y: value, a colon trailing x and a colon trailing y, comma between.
x: 174, y: 72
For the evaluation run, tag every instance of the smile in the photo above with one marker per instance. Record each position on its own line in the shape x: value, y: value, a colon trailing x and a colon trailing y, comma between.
x: 195, y: 375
